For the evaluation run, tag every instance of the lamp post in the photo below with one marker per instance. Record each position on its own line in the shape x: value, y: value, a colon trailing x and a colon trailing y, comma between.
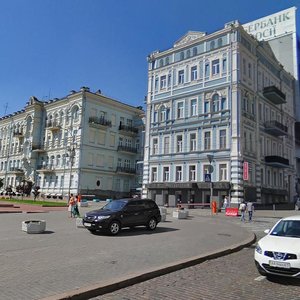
x: 210, y: 158
x: 72, y: 153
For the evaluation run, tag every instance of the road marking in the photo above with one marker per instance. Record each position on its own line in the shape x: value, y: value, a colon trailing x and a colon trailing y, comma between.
x: 260, y: 278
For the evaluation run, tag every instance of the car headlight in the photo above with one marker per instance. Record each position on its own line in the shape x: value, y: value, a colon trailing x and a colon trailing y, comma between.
x: 102, y: 217
x: 258, y: 249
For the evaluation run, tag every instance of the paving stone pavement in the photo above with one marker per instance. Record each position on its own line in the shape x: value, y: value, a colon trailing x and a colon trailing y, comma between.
x: 233, y: 276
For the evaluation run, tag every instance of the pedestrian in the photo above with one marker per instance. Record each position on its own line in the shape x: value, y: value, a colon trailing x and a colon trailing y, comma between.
x: 242, y: 209
x: 71, y: 206
x: 250, y: 209
x: 76, y: 210
x: 225, y: 203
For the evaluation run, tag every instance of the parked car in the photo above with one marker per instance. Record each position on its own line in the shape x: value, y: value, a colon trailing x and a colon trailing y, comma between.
x: 123, y: 213
x: 278, y: 253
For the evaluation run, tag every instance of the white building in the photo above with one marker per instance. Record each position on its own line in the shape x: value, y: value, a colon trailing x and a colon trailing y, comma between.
x: 220, y: 107
x: 83, y: 143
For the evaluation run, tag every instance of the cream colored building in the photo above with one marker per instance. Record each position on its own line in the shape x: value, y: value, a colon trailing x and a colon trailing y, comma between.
x: 83, y: 143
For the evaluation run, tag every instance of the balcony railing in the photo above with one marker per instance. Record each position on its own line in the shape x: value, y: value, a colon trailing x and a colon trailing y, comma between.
x: 130, y: 129
x: 45, y: 168
x: 53, y: 125
x: 127, y: 170
x: 276, y: 128
x: 277, y: 161
x: 18, y: 133
x: 15, y: 170
x: 38, y: 148
x: 127, y: 149
x: 99, y: 121
x: 274, y: 94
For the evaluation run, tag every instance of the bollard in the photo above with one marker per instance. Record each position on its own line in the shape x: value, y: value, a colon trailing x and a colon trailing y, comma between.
x: 214, y: 207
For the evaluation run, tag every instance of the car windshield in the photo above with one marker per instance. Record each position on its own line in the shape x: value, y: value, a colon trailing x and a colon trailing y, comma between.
x: 287, y: 228
x: 114, y: 205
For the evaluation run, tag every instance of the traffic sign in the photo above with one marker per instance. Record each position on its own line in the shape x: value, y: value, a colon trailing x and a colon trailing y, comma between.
x: 207, y: 177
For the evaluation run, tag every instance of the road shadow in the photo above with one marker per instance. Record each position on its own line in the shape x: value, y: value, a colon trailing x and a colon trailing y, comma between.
x: 283, y: 280
x: 125, y: 232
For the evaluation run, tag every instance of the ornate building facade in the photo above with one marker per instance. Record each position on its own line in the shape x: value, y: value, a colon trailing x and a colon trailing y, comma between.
x: 83, y: 143
x: 219, y: 121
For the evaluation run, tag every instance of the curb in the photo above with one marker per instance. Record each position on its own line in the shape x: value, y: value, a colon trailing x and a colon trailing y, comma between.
x: 112, y: 285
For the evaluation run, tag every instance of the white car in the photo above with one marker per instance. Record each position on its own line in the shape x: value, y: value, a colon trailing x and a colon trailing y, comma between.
x: 278, y: 253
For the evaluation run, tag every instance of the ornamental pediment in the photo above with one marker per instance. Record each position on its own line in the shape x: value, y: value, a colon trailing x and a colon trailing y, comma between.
x: 189, y: 37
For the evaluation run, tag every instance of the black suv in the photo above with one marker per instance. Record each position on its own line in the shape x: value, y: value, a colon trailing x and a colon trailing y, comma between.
x: 123, y: 213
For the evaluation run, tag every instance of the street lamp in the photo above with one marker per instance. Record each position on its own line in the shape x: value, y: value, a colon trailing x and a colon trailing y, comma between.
x: 72, y: 153
x: 210, y: 158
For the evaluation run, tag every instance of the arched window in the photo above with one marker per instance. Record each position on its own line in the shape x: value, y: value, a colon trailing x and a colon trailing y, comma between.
x: 188, y: 53
x: 212, y: 45
x: 220, y: 42
x: 161, y: 63
x: 58, y: 161
x: 167, y: 60
x: 75, y: 113
x: 61, y: 117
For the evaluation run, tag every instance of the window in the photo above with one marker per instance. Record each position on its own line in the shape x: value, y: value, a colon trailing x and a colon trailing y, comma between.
x: 192, y: 173
x: 195, y: 51
x: 220, y: 42
x: 224, y: 65
x: 206, y: 107
x: 188, y: 53
x: 206, y: 69
x: 223, y: 103
x: 222, y: 172
x: 179, y: 143
x: 156, y: 84
x: 163, y: 114
x: 215, y: 67
x: 222, y: 140
x: 154, y: 174
x: 193, y: 142
x: 169, y: 80
x: 181, y: 55
x: 155, y: 146
x: 167, y: 60
x: 244, y: 66
x: 178, y: 173
x: 193, y: 107
x: 181, y: 77
x: 216, y: 103
x: 249, y: 70
x: 163, y: 82
x: 179, y: 110
x: 212, y: 45
x: 166, y: 174
x: 207, y: 140
x: 166, y: 145
x: 194, y: 73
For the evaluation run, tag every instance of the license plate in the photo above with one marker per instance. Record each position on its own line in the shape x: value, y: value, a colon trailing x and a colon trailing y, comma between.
x: 87, y: 224
x: 280, y: 264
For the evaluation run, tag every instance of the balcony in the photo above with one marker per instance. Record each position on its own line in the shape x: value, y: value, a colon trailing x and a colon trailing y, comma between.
x: 276, y: 128
x: 127, y: 149
x: 46, y: 168
x: 277, y: 161
x: 15, y: 170
x: 18, y: 133
x: 128, y: 129
x: 100, y: 123
x: 273, y: 94
x: 53, y: 125
x: 38, y: 148
x: 126, y: 170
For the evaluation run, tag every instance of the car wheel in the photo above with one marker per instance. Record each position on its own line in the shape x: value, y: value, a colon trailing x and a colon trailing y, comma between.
x: 152, y: 224
x: 114, y: 228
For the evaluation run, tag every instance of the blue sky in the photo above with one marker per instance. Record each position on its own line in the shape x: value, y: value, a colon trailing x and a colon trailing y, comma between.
x: 50, y: 47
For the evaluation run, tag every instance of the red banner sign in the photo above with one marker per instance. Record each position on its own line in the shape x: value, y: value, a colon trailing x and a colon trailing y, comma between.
x: 246, y: 171
x: 232, y: 212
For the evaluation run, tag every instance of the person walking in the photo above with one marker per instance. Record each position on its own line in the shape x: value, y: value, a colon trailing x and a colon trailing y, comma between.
x: 71, y: 206
x: 242, y: 209
x: 76, y: 210
x: 250, y: 209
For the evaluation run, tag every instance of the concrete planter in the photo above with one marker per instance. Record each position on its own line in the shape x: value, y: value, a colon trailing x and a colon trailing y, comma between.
x: 33, y: 226
x: 163, y: 210
x: 83, y: 204
x: 163, y: 217
x: 180, y: 214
